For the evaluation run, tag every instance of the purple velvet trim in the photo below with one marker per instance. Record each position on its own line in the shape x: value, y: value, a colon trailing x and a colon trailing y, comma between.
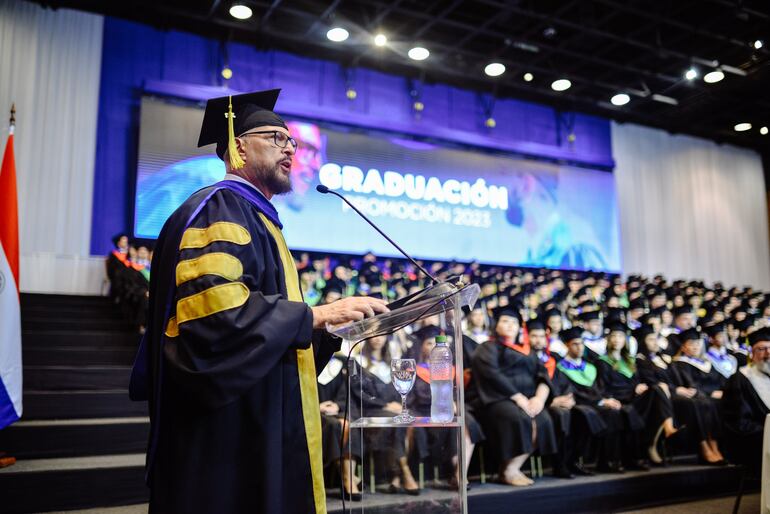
x: 259, y: 201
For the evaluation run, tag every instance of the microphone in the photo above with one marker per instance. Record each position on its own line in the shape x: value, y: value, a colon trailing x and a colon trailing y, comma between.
x: 324, y: 190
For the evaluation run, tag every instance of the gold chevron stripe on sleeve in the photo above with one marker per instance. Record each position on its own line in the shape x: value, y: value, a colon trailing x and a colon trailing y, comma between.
x: 215, y: 263
x: 172, y: 329
x: 211, y: 301
x: 219, y: 231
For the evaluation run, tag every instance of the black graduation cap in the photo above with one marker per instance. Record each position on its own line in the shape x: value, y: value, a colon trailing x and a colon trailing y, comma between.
x: 684, y: 309
x: 642, y: 332
x: 689, y: 335
x: 507, y: 310
x: 761, y: 335
x: 117, y: 237
x: 713, y: 330
x: 616, y: 326
x: 535, y: 324
x: 571, y: 333
x: 227, y: 117
x: 589, y: 315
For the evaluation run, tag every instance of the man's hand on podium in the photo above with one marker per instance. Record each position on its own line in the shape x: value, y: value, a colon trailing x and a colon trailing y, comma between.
x: 354, y: 308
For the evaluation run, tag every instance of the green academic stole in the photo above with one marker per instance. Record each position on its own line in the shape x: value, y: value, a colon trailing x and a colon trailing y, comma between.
x: 621, y: 366
x: 307, y: 376
x: 585, y: 376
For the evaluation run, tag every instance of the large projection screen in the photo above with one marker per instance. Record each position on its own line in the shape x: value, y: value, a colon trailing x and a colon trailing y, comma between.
x: 439, y: 201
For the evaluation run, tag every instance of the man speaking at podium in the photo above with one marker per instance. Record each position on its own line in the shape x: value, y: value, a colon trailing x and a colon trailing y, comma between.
x: 232, y: 349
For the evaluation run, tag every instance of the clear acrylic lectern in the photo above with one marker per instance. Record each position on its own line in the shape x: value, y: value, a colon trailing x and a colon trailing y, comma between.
x: 444, y: 303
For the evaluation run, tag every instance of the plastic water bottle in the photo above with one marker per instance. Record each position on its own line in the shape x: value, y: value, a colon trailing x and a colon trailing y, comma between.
x: 441, y: 379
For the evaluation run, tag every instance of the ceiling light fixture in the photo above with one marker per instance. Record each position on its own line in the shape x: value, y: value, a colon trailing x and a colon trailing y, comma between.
x: 758, y: 44
x: 528, y: 77
x: 240, y: 12
x: 713, y: 77
x: 665, y: 99
x: 763, y: 131
x: 380, y: 40
x: 494, y: 69
x: 337, y: 34
x: 691, y: 74
x: 561, y: 85
x: 620, y: 99
x: 418, y: 53
x: 742, y: 127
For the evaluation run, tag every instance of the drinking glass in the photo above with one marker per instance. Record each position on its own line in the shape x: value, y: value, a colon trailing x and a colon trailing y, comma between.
x: 403, y: 372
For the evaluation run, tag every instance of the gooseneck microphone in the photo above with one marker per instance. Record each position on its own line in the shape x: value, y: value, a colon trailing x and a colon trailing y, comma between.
x: 324, y: 190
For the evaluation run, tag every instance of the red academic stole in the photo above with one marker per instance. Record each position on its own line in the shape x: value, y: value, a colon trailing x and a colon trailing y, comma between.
x: 550, y: 366
x: 122, y: 257
x: 423, y: 371
x: 521, y: 348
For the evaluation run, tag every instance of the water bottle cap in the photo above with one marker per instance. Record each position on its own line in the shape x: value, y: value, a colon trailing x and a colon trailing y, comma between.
x: 441, y: 338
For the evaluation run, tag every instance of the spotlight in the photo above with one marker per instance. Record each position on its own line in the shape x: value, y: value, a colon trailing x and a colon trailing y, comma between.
x: 691, y: 74
x: 418, y: 53
x: 418, y: 106
x: 713, y: 76
x: 227, y: 73
x: 528, y: 77
x: 763, y: 131
x: 620, y: 99
x: 742, y: 127
x: 494, y: 69
x: 758, y: 44
x: 490, y: 122
x: 337, y: 34
x: 351, y: 93
x: 561, y: 85
x: 380, y: 40
x: 240, y: 12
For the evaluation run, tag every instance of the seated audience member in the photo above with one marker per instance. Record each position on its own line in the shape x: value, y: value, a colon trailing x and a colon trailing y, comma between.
x: 641, y: 404
x: 746, y: 404
x: 437, y: 443
x: 699, y: 380
x: 722, y: 360
x: 571, y: 422
x: 684, y: 319
x: 116, y: 261
x: 332, y: 388
x: 511, y: 390
x: 587, y: 392
x: 593, y: 335
x: 136, y: 285
x: 476, y: 325
x: 372, y: 395
x: 554, y: 324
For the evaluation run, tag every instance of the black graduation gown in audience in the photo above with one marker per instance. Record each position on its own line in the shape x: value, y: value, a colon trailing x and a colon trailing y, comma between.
x: 333, y: 390
x: 744, y: 412
x: 228, y: 433
x: 674, y: 343
x: 701, y: 415
x: 499, y: 372
x: 438, y: 444
x: 370, y: 392
x: 114, y: 264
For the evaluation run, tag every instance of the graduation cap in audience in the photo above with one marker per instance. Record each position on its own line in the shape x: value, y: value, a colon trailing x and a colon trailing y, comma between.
x: 426, y: 332
x: 759, y: 336
x: 679, y: 311
x: 714, y: 329
x: 535, y: 324
x: 744, y: 324
x: 571, y: 333
x: 615, y: 325
x: 117, y: 237
x: 691, y: 334
x: 641, y: 333
x: 637, y: 303
x: 228, y: 117
x: 508, y: 310
x: 589, y: 315
x: 551, y: 313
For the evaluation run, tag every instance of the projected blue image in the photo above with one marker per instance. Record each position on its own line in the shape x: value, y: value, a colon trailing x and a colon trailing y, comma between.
x: 438, y: 202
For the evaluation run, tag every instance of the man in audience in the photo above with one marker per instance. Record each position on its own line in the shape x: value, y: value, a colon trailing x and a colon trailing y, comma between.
x: 746, y: 404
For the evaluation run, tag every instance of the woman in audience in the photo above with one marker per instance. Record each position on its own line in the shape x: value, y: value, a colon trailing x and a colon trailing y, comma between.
x: 511, y: 390
x: 698, y: 379
x: 476, y: 326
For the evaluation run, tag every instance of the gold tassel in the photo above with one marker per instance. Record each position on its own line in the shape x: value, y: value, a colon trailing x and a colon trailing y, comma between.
x: 236, y: 162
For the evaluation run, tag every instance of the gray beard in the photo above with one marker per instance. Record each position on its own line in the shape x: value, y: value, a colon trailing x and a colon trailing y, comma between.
x: 274, y: 180
x: 763, y: 366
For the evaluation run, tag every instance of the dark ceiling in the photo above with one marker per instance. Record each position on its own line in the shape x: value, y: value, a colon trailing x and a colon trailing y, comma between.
x: 604, y: 47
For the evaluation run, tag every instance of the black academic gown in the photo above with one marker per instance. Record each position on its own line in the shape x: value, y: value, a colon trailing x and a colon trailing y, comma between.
x: 228, y: 432
x: 500, y: 372
x: 702, y: 415
x: 744, y: 415
x: 331, y: 428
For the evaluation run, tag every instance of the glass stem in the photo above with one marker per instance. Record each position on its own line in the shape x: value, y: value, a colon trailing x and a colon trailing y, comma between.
x: 403, y: 405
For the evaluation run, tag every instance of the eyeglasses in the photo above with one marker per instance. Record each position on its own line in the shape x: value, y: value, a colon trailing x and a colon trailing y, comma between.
x: 279, y: 138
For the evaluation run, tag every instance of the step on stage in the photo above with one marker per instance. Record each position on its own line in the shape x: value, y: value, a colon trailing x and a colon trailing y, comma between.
x: 600, y: 493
